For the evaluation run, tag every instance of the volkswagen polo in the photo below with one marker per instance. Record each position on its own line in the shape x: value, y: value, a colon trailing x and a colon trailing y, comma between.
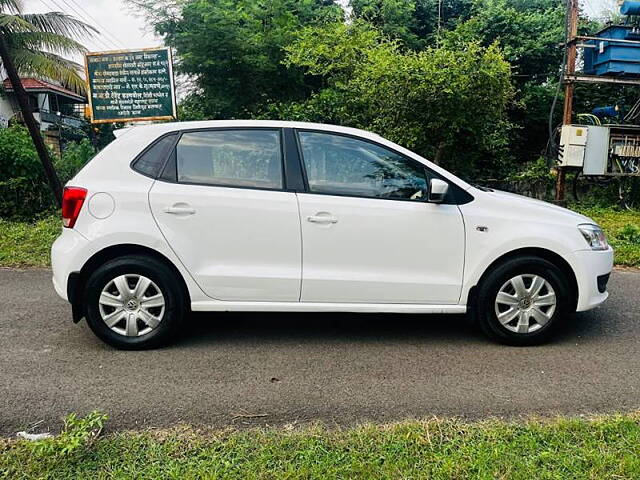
x: 222, y: 216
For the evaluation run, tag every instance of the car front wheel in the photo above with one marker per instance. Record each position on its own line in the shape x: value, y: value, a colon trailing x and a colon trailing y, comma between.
x: 523, y: 300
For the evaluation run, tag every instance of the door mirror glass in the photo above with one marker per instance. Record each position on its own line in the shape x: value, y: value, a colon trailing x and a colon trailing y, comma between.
x: 437, y: 190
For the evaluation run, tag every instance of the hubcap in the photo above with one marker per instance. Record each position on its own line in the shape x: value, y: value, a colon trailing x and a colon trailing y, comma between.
x: 131, y: 305
x: 525, y: 303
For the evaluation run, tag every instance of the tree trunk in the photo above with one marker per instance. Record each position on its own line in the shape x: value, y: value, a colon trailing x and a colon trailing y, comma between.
x: 440, y: 153
x: 30, y: 121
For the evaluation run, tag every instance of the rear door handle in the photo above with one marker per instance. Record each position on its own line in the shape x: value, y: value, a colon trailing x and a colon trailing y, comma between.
x: 179, y: 209
x: 322, y: 219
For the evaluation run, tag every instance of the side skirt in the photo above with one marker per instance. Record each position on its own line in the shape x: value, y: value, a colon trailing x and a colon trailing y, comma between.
x: 218, y: 306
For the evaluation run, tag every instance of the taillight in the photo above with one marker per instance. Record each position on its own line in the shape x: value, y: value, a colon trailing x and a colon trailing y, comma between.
x: 72, y: 200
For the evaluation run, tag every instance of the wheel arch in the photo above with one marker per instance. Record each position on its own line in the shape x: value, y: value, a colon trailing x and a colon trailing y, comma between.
x: 543, y: 253
x: 78, y: 280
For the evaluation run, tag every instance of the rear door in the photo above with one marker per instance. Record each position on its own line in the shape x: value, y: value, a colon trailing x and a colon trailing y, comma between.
x: 369, y: 236
x: 222, y: 206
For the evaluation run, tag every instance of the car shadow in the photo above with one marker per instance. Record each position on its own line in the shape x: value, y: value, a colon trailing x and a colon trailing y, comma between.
x: 209, y: 328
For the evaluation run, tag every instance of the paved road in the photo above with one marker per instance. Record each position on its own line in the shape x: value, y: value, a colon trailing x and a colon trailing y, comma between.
x: 294, y: 368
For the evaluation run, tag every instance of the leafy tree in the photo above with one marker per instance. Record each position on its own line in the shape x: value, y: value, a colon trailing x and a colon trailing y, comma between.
x: 414, y: 22
x: 299, y: 59
x: 233, y: 49
x: 34, y: 44
x: 447, y: 103
x: 528, y: 32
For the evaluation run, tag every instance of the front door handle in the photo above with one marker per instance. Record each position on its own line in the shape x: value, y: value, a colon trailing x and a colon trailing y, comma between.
x: 322, y: 218
x: 180, y: 209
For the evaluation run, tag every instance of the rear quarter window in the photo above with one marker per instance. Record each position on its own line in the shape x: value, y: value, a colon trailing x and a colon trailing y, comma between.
x: 151, y: 161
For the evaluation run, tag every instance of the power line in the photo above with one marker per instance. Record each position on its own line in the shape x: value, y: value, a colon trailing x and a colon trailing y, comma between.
x: 57, y: 7
x: 91, y: 17
x: 102, y: 30
x: 98, y: 38
x: 589, y: 6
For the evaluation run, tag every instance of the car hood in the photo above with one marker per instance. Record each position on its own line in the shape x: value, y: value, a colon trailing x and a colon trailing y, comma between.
x: 527, y: 206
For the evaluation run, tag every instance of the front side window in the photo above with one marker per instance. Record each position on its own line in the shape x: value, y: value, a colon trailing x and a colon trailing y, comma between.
x: 341, y: 165
x: 233, y: 158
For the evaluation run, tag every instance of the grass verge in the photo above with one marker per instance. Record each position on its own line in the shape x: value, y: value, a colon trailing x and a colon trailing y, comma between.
x: 600, y: 448
x: 623, y: 232
x: 25, y: 244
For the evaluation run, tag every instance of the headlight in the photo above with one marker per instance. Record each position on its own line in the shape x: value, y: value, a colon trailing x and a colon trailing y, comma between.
x: 594, y: 236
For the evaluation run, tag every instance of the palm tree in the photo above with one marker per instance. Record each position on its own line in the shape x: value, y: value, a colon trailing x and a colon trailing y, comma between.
x: 35, y: 44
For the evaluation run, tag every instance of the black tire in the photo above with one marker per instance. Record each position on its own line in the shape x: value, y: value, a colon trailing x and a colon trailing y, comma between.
x: 162, y: 276
x: 485, y: 307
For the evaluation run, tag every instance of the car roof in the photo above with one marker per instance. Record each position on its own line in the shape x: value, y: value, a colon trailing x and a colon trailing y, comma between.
x: 161, y: 128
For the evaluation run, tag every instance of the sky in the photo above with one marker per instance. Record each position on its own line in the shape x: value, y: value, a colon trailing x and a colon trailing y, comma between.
x: 119, y: 27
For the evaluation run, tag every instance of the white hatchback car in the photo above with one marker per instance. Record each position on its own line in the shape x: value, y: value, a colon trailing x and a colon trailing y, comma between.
x: 282, y: 216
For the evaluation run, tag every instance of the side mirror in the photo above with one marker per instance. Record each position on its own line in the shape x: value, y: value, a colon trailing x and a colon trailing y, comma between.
x: 437, y: 190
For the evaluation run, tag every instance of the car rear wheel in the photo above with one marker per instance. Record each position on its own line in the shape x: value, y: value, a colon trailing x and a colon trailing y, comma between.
x: 134, y: 302
x: 523, y: 300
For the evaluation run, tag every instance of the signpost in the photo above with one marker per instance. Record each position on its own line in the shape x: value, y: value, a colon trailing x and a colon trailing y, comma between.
x: 131, y: 86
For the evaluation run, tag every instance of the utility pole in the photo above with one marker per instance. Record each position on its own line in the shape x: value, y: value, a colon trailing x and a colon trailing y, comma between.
x: 570, y: 69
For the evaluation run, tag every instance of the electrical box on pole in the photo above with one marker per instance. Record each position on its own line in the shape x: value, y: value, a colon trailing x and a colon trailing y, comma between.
x: 601, y: 150
x: 609, y: 56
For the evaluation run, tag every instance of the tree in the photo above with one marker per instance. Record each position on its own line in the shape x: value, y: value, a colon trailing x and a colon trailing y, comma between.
x: 448, y: 104
x: 528, y: 32
x: 414, y: 22
x: 34, y: 44
x: 233, y: 50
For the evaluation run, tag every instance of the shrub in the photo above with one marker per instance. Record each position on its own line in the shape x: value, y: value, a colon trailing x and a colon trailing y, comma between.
x: 24, y: 191
x: 74, y: 157
x: 630, y: 233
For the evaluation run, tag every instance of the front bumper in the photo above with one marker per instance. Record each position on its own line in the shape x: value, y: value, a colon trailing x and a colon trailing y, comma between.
x: 591, y: 269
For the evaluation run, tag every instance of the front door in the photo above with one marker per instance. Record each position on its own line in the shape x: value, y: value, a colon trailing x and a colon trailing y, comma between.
x: 226, y: 216
x: 369, y: 236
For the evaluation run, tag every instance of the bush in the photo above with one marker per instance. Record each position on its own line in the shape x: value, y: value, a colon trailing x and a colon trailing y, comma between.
x: 630, y: 233
x: 23, y: 186
x: 24, y: 191
x: 74, y: 157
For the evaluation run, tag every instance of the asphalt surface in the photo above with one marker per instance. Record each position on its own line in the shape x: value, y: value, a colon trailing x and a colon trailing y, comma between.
x: 296, y: 368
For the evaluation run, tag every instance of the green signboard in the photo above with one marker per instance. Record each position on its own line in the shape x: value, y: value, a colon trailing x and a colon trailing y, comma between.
x: 128, y: 86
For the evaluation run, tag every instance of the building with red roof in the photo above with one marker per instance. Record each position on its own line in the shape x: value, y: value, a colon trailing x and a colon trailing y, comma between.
x: 54, y: 107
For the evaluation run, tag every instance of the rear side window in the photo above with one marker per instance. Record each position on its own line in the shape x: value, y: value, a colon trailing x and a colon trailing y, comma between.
x: 233, y: 158
x: 151, y: 162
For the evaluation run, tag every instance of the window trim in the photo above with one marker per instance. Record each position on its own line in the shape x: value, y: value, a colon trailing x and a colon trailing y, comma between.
x: 456, y: 195
x: 281, y: 138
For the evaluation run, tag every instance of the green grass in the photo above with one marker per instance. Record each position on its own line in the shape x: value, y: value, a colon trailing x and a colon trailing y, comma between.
x: 602, y: 448
x: 28, y: 244
x: 24, y: 244
x: 623, y: 232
